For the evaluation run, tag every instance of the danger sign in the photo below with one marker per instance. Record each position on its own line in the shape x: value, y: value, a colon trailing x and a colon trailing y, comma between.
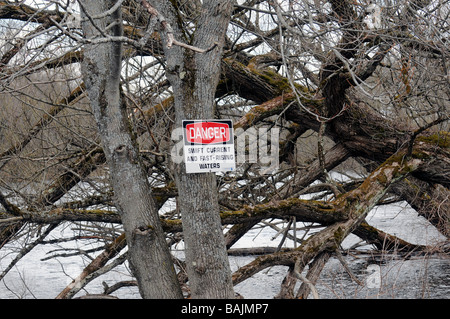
x: 208, y: 146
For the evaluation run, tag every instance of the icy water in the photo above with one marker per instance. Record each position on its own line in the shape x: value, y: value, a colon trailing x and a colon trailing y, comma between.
x: 381, y: 276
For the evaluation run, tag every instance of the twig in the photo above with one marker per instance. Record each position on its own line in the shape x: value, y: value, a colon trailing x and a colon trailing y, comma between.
x: 83, y: 279
x: 315, y: 268
x: 110, y: 289
x: 27, y: 249
x: 285, y: 233
x: 96, y: 267
x: 305, y: 280
x: 347, y: 269
x: 11, y: 220
x: 169, y: 31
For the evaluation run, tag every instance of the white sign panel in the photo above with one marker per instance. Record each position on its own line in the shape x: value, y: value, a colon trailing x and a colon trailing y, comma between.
x: 208, y: 146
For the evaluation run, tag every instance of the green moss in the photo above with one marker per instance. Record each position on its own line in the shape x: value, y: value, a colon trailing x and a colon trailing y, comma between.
x: 229, y: 214
x: 339, y: 235
x: 171, y: 222
x: 275, y: 80
x: 397, y: 165
x: 441, y: 139
x: 98, y: 211
x: 419, y: 154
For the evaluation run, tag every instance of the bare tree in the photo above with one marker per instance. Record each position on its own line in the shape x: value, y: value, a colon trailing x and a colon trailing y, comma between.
x: 194, y: 78
x: 147, y: 249
x: 92, y: 91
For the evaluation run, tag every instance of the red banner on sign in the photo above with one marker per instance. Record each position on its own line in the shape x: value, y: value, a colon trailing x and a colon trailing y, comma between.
x: 207, y: 132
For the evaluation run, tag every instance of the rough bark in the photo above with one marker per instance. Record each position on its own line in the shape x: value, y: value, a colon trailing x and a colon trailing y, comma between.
x: 194, y: 78
x: 149, y: 256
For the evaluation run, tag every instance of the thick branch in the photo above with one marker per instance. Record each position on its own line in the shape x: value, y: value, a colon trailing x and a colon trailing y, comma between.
x: 24, y: 12
x: 356, y: 204
x: 100, y: 261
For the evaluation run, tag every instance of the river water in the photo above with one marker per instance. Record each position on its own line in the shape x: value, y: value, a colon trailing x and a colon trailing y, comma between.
x: 381, y: 276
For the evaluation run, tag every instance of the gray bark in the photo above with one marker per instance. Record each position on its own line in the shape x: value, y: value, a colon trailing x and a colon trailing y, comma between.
x: 194, y: 78
x: 148, y: 252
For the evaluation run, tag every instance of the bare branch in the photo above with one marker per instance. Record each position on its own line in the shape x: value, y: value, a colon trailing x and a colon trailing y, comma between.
x: 166, y: 27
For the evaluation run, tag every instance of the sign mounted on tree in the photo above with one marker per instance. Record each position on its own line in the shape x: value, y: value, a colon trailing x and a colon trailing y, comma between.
x: 208, y: 146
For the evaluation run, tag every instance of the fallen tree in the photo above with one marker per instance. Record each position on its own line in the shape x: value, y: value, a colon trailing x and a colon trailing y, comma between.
x: 335, y: 103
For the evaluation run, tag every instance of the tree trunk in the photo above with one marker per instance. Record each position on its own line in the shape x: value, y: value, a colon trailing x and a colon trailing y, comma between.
x: 149, y: 256
x: 194, y: 78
